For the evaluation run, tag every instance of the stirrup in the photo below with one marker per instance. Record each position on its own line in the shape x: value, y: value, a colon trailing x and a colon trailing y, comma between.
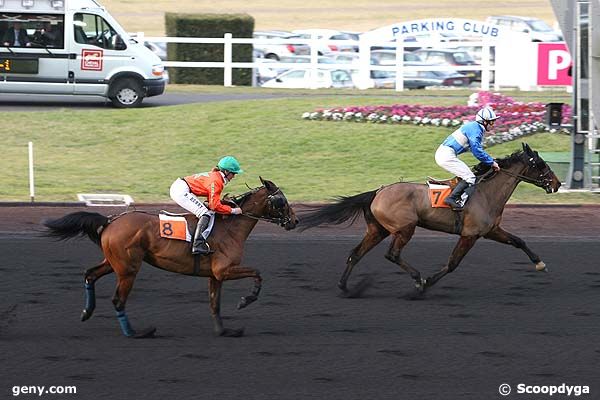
x: 201, y: 248
x: 454, y: 205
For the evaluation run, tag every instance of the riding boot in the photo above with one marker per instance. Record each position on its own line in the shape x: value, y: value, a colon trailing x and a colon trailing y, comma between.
x: 454, y: 197
x: 200, y: 246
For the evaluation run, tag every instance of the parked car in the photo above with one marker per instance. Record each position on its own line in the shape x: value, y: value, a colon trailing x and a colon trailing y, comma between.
x: 158, y: 48
x: 450, y: 57
x: 419, y: 79
x: 329, y: 34
x: 276, y: 51
x: 302, y: 79
x: 301, y: 60
x: 388, y: 57
x: 266, y: 70
x: 422, y: 40
x: 535, y: 28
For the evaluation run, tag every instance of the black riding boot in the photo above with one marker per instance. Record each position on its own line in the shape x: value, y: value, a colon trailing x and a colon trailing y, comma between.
x: 200, y: 246
x: 454, y: 197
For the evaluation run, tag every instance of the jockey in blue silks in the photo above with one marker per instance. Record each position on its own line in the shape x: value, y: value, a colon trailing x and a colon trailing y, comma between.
x: 467, y: 137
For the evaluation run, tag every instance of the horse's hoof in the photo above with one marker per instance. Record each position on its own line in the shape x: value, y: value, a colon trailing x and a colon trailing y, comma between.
x: 359, y: 289
x: 421, y: 285
x: 342, y: 287
x: 85, y: 315
x: 143, y: 334
x: 541, y: 267
x: 246, y: 301
x: 227, y: 332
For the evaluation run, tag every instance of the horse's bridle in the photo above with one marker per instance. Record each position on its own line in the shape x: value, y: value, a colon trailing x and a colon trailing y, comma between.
x: 275, y: 203
x: 544, y: 180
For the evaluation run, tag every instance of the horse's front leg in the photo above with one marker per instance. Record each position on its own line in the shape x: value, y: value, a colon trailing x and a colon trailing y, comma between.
x: 465, y: 243
x: 214, y: 296
x: 240, y: 272
x: 500, y: 235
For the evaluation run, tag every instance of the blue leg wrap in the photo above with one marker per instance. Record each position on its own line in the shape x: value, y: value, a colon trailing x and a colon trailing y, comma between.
x: 90, y: 296
x: 124, y: 322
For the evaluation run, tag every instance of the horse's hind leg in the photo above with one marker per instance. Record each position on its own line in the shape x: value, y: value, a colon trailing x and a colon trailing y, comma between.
x: 91, y: 276
x: 465, y: 243
x: 401, y: 238
x: 500, y: 235
x: 375, y: 234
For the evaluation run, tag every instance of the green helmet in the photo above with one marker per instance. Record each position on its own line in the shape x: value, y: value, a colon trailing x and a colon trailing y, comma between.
x: 230, y: 164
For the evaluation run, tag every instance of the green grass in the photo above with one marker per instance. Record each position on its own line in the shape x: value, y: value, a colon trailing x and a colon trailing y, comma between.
x: 141, y: 151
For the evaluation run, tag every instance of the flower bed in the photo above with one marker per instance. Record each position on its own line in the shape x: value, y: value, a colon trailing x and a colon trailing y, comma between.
x: 516, y: 118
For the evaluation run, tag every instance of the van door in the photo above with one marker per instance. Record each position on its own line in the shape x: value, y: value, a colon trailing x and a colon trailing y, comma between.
x: 34, y: 59
x: 97, y: 51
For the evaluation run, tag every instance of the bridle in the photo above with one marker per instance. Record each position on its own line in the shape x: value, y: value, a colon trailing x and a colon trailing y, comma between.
x: 275, y: 205
x: 543, y: 180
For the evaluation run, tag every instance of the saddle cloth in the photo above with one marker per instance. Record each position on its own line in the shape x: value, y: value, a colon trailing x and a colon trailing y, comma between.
x: 175, y: 226
x: 437, y: 194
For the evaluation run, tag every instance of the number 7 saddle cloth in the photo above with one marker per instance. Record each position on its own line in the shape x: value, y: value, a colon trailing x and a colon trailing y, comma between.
x: 439, y: 190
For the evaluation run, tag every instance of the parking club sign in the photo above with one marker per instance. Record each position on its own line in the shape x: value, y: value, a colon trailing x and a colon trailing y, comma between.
x: 91, y: 60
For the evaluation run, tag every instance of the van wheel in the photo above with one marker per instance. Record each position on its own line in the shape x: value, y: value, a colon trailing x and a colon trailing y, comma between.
x: 127, y: 93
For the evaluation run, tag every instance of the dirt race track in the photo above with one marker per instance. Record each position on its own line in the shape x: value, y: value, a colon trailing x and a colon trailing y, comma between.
x: 494, y: 320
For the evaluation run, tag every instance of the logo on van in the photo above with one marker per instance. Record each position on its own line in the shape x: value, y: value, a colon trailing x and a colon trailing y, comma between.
x: 91, y: 60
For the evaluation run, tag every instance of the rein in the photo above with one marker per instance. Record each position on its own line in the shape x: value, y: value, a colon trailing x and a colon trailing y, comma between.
x: 541, y: 181
x: 281, y: 220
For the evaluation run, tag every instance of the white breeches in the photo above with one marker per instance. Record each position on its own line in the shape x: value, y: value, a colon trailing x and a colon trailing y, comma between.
x: 180, y: 193
x: 446, y: 158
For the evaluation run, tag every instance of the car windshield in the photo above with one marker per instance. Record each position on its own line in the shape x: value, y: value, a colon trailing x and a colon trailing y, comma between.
x: 462, y: 56
x: 539, y: 26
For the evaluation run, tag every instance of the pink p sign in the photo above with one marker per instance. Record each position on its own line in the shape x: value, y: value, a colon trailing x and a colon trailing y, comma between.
x: 553, y: 64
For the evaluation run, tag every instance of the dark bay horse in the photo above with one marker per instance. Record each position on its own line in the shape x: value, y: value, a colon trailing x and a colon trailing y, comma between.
x: 132, y: 237
x: 399, y: 208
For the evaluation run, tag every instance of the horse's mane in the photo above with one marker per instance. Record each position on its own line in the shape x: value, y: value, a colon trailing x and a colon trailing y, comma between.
x: 240, y: 199
x: 481, y: 168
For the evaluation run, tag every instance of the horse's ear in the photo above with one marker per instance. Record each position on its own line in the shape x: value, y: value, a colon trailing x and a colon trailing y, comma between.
x: 271, y: 187
x: 527, y: 149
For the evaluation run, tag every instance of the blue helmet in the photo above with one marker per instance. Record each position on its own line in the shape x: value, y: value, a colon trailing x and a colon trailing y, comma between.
x: 229, y: 164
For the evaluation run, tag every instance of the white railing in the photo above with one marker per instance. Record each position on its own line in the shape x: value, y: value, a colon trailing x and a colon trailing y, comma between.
x: 363, y: 67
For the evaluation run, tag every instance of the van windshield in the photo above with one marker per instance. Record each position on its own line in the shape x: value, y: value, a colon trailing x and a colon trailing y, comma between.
x: 32, y: 30
x: 539, y: 26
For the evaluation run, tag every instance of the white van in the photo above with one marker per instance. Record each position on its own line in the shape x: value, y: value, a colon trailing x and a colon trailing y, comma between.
x: 73, y: 47
x: 535, y: 28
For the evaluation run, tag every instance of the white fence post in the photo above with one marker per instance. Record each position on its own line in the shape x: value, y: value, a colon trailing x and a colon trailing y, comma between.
x: 314, y: 61
x: 485, y: 67
x: 31, y: 186
x: 399, y: 66
x: 364, y: 62
x: 227, y: 55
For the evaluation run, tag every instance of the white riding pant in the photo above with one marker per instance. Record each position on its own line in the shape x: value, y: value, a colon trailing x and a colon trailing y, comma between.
x: 180, y: 193
x: 446, y: 158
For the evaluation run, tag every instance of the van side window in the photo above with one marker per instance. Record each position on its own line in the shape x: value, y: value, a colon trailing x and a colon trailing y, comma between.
x: 93, y: 29
x: 32, y: 30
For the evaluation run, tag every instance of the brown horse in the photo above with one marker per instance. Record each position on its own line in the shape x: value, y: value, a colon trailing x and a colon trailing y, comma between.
x: 132, y: 237
x: 399, y: 208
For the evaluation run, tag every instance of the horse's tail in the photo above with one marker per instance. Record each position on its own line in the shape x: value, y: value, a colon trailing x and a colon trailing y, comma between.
x: 344, y: 209
x: 77, y: 224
